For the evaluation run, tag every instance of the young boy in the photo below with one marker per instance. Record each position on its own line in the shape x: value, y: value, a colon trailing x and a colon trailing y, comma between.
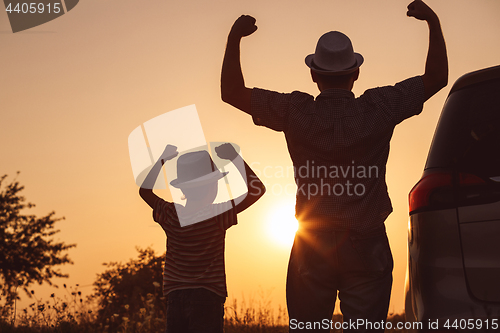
x: 194, y: 278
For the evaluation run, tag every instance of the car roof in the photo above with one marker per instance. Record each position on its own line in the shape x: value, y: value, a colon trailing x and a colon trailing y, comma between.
x: 476, y: 77
x: 470, y: 111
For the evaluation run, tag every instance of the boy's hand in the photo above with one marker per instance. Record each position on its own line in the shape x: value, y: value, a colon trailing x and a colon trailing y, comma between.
x: 243, y: 26
x: 419, y: 10
x: 226, y: 152
x: 169, y: 153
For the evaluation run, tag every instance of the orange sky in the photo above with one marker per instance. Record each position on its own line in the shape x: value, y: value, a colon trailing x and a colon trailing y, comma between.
x: 73, y: 89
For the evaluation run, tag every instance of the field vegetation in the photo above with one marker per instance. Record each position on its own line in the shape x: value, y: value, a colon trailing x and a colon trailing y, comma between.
x: 72, y: 313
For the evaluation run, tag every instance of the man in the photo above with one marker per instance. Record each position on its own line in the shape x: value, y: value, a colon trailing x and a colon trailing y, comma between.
x: 339, y: 146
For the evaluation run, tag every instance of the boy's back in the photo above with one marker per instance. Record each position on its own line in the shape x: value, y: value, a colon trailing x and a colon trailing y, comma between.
x: 195, y: 253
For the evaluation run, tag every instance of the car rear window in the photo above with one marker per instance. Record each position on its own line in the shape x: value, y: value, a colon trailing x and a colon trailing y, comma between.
x: 467, y: 137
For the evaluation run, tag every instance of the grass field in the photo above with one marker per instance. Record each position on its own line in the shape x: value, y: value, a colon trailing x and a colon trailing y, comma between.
x: 73, y: 314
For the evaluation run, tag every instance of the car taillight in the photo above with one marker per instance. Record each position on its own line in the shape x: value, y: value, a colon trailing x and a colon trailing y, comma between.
x: 436, y: 190
x: 468, y: 179
x: 420, y: 194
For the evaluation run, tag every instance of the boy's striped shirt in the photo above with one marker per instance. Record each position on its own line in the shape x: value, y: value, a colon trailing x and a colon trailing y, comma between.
x: 195, y: 253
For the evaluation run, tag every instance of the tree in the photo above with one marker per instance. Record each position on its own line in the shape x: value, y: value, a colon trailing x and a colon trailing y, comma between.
x: 132, y: 290
x: 28, y: 252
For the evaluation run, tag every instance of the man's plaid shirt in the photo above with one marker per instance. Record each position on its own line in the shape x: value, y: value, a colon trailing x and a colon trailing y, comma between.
x: 339, y: 147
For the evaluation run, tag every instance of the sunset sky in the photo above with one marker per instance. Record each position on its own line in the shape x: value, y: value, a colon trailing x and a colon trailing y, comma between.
x: 73, y: 89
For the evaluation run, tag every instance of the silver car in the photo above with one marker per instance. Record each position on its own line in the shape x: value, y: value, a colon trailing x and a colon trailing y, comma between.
x: 453, y: 276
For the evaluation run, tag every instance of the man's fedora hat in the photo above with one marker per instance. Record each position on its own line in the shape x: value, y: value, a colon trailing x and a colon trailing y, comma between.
x: 334, y: 55
x: 195, y: 169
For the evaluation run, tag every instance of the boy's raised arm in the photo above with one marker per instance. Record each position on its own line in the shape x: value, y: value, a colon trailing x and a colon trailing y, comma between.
x: 256, y: 188
x: 146, y: 190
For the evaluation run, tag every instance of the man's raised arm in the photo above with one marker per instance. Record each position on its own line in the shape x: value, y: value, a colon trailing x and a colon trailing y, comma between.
x: 232, y: 84
x: 436, y: 67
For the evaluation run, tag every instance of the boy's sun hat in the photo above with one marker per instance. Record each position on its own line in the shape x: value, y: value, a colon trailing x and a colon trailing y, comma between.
x: 195, y: 169
x: 334, y: 55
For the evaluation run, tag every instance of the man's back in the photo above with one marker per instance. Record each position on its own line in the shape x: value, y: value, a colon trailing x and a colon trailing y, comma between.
x: 339, y: 146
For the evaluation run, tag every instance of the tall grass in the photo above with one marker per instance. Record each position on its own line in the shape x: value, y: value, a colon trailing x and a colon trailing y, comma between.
x: 254, y: 317
x: 72, y: 313
x: 69, y: 313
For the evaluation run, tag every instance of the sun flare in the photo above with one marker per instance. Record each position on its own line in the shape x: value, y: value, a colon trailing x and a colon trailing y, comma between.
x: 283, y: 225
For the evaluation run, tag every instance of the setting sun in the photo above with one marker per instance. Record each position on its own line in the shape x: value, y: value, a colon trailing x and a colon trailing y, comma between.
x: 283, y: 225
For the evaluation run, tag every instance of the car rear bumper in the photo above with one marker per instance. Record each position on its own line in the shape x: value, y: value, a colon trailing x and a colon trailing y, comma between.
x: 436, y: 282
